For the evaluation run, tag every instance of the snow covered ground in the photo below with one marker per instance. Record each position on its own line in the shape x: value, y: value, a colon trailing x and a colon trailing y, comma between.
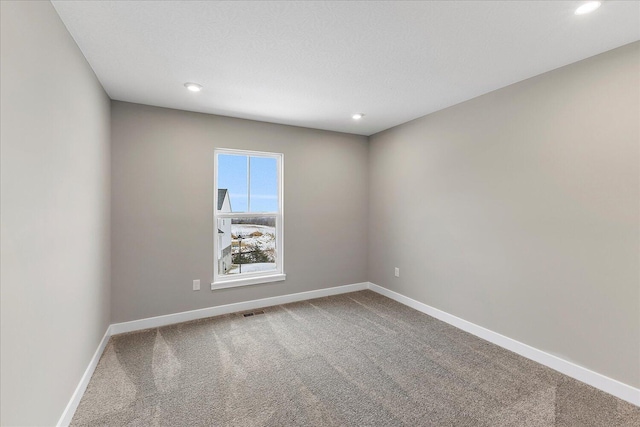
x: 250, y: 228
x: 266, y: 241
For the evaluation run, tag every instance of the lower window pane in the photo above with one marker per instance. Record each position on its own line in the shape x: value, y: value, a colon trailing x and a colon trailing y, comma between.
x: 246, y: 245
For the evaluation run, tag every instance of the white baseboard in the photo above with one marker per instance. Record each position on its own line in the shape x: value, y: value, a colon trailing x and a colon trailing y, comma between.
x: 594, y: 379
x: 185, y: 316
x: 67, y: 415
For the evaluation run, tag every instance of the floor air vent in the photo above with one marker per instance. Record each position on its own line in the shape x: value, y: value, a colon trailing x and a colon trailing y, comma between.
x: 253, y: 313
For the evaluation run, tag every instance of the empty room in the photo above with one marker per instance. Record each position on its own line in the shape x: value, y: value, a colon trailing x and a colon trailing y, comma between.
x: 320, y: 213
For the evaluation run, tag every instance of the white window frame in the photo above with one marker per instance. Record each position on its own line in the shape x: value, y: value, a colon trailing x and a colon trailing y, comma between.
x: 245, y: 279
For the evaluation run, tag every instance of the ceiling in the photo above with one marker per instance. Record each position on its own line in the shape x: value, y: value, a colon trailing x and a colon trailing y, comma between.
x: 316, y: 63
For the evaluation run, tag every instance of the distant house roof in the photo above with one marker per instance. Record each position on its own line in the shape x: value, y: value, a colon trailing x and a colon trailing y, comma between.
x: 222, y: 193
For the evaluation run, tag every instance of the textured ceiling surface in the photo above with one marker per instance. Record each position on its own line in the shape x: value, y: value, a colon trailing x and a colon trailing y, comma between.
x: 315, y: 63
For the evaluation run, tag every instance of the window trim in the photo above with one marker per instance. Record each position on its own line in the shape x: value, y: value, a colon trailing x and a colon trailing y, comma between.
x: 246, y: 279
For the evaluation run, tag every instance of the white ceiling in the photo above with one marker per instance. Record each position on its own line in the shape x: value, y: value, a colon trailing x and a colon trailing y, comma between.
x: 315, y: 63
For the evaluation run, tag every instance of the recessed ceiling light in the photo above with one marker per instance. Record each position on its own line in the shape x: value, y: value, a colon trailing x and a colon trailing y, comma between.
x: 357, y: 116
x: 193, y: 87
x: 588, y: 7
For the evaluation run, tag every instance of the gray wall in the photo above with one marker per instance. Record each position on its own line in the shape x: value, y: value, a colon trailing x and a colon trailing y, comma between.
x: 519, y: 211
x: 55, y: 214
x: 162, y: 206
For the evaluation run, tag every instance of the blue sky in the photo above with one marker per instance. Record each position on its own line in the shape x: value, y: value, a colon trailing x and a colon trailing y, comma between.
x: 232, y: 175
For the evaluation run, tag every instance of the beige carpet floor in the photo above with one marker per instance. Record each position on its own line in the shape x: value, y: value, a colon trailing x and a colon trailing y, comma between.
x: 357, y: 359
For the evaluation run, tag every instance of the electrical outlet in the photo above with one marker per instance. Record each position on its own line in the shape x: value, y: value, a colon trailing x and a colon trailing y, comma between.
x: 196, y: 285
x: 396, y: 272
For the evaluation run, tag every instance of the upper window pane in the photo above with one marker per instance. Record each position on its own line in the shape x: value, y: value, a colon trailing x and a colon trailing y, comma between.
x: 263, y: 191
x: 247, y: 183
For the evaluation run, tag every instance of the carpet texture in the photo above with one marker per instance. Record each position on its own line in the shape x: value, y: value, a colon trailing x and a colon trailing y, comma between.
x: 357, y: 359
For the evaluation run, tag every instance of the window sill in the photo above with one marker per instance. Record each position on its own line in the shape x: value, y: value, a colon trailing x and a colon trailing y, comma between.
x: 247, y: 281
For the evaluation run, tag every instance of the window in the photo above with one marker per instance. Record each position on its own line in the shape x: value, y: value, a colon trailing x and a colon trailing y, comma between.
x: 248, y: 219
